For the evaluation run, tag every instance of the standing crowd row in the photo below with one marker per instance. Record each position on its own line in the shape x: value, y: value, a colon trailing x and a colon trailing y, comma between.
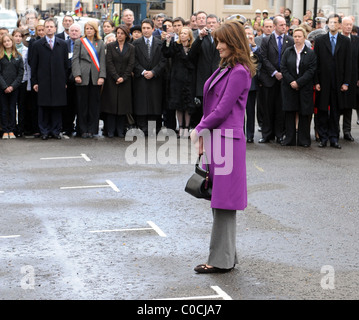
x: 64, y: 83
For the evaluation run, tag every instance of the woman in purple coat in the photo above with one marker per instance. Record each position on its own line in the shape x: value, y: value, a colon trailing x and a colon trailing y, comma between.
x: 220, y: 134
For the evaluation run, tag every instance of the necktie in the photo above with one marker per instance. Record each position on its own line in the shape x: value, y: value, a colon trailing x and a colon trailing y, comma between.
x: 50, y: 43
x: 279, y: 49
x: 333, y: 45
x: 149, y: 48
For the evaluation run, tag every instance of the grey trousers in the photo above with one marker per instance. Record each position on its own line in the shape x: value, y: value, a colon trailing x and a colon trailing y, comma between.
x: 222, y: 250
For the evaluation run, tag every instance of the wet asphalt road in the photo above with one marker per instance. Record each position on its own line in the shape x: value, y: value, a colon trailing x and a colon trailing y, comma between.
x: 298, y: 238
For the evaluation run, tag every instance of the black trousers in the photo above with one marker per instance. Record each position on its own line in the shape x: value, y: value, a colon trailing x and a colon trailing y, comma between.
x: 347, y: 120
x: 251, y: 114
x: 8, y: 111
x: 69, y: 111
x: 142, y: 123
x: 328, y: 121
x: 291, y: 136
x: 50, y: 120
x: 115, y: 124
x: 273, y: 115
x: 88, y: 108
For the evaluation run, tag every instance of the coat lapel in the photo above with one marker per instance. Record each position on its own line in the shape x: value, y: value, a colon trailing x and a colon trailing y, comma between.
x: 216, y: 77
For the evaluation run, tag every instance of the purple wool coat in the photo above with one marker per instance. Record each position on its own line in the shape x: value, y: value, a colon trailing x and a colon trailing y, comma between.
x: 224, y: 103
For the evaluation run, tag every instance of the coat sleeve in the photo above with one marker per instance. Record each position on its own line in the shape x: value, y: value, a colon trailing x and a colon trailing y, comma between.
x: 265, y: 58
x: 160, y: 66
x: 288, y: 78
x: 221, y: 111
x: 34, y: 64
x: 76, y: 70
x: 102, y: 57
x: 111, y: 69
x: 131, y: 63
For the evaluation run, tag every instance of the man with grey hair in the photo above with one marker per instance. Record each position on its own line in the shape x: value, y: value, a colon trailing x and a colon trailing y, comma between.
x: 32, y: 20
x: 128, y: 17
x: 158, y: 21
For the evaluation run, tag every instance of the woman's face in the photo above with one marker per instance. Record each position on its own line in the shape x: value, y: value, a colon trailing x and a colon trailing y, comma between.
x: 184, y: 35
x: 298, y: 37
x: 17, y: 38
x: 89, y: 31
x: 121, y: 36
x: 223, y: 49
x: 7, y: 42
x: 40, y: 30
x: 107, y: 28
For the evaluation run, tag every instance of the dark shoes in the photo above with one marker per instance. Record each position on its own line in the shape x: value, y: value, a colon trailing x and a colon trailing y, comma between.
x: 335, y: 145
x: 322, y: 144
x: 262, y: 140
x: 203, y: 268
x: 348, y: 136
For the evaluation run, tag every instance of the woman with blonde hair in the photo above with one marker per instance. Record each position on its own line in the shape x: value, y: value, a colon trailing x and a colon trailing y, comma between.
x: 182, y: 80
x: 220, y: 133
x: 89, y: 71
x: 11, y: 73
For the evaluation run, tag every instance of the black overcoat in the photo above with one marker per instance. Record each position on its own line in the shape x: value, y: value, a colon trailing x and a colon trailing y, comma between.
x: 182, y: 84
x: 353, y: 88
x: 117, y: 98
x: 207, y: 61
x: 325, y: 69
x: 298, y: 100
x: 148, y: 93
x: 49, y: 70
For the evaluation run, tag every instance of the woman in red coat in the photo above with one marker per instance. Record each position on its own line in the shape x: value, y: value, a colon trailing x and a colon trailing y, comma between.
x: 224, y: 102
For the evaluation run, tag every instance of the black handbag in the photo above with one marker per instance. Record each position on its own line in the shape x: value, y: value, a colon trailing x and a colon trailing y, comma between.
x: 199, y: 184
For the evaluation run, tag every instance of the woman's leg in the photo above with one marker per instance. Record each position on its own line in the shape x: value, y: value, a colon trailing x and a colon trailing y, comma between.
x: 223, y: 252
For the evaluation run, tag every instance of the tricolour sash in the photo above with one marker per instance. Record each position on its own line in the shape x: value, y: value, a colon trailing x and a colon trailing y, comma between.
x: 92, y: 52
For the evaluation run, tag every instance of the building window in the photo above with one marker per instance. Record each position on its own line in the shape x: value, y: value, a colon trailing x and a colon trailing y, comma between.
x: 157, y: 5
x: 235, y: 3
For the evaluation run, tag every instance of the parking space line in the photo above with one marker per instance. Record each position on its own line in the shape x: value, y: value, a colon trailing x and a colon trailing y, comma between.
x: 109, y: 184
x: 153, y: 227
x: 220, y: 294
x: 2, y: 192
x: 82, y: 156
x: 10, y: 237
x: 157, y: 229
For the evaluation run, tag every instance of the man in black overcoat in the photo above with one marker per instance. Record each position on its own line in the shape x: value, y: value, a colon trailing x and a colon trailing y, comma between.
x: 148, y: 72
x: 207, y: 60
x: 271, y: 50
x: 49, y: 71
x: 347, y: 27
x: 332, y: 80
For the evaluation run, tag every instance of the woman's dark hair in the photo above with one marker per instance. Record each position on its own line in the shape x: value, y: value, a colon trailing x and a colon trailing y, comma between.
x: 233, y: 35
x: 125, y: 30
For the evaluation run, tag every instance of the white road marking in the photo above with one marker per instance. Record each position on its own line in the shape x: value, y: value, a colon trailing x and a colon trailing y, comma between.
x: 221, y: 294
x: 153, y: 227
x: 83, y: 156
x: 9, y: 237
x: 157, y: 229
x: 109, y: 184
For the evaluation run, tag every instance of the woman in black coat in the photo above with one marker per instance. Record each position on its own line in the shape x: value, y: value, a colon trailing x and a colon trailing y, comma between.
x: 116, y: 98
x: 182, y: 86
x: 298, y: 66
x: 11, y: 73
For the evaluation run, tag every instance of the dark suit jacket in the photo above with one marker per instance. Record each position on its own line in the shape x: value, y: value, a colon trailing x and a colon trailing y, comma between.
x: 208, y: 60
x: 269, y: 55
x: 49, y: 71
x: 148, y: 93
x: 61, y: 35
x: 325, y: 69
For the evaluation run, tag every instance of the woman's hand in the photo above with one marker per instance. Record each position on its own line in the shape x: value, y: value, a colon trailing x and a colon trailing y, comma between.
x: 100, y: 81
x: 78, y: 80
x: 119, y: 80
x: 197, y: 141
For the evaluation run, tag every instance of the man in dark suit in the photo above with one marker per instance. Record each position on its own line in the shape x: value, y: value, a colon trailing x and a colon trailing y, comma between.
x: 332, y: 80
x: 67, y: 21
x: 347, y: 27
x: 207, y: 57
x: 271, y: 51
x: 49, y: 67
x: 148, y: 71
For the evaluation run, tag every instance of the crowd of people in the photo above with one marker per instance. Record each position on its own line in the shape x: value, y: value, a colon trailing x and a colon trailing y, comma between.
x: 55, y: 84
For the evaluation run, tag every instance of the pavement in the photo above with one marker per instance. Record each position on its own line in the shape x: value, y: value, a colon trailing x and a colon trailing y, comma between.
x: 78, y: 221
